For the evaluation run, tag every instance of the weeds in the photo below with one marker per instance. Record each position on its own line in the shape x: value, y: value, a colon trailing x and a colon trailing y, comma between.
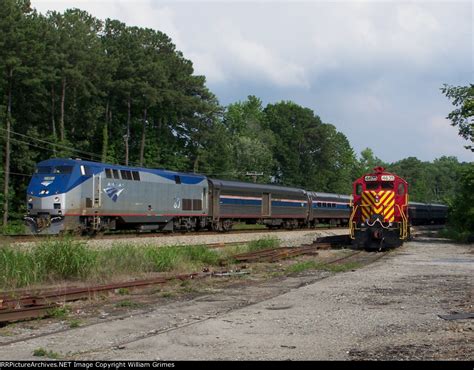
x: 265, y: 243
x: 59, y: 312
x: 41, y: 352
x: 74, y: 324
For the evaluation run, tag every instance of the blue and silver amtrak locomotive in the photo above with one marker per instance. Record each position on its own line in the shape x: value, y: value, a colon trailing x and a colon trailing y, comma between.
x: 83, y: 196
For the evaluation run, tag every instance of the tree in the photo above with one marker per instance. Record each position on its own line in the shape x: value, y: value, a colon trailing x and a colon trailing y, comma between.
x: 462, y: 116
x: 13, y: 46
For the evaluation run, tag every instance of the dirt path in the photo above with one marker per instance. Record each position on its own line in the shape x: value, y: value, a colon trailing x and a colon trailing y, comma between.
x: 387, y: 310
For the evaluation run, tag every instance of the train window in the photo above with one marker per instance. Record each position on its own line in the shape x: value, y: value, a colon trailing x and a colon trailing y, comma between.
x: 63, y: 170
x: 334, y: 205
x: 387, y: 185
x: 116, y: 174
x: 126, y: 175
x: 320, y: 204
x: 401, y: 189
x: 359, y: 189
x: 136, y: 175
x: 371, y: 185
x: 325, y: 204
x: 108, y: 173
x: 88, y: 171
x: 177, y: 180
x: 44, y: 169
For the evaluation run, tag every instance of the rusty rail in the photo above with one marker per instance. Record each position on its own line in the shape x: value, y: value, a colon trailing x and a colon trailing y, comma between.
x: 30, y: 306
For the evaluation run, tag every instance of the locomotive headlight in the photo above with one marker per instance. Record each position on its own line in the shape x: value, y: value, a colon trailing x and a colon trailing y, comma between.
x: 30, y: 199
x: 56, y: 199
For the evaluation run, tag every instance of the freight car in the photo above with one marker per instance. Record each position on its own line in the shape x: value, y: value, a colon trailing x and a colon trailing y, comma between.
x: 82, y: 196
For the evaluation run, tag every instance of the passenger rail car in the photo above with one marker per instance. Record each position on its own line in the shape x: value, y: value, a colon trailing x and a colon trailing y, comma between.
x: 83, y: 196
x: 426, y: 214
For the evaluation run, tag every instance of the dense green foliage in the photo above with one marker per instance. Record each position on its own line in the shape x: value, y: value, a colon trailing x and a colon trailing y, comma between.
x: 462, y: 210
x: 463, y: 115
x: 72, y: 85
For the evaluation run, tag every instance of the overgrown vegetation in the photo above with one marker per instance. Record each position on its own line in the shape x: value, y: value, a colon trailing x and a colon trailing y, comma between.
x: 264, y: 243
x: 65, y: 259
x: 41, y: 352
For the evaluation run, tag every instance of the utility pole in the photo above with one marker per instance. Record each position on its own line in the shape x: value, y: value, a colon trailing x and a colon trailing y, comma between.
x: 254, y: 175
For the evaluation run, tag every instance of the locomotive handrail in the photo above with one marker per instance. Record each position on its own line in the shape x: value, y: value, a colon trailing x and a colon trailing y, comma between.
x: 403, y: 229
x: 351, y: 221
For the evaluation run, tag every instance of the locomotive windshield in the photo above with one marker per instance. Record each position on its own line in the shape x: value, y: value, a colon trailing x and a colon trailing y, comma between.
x: 61, y: 170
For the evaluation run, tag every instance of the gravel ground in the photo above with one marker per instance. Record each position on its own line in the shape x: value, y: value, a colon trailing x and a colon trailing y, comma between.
x: 387, y: 310
x: 287, y: 238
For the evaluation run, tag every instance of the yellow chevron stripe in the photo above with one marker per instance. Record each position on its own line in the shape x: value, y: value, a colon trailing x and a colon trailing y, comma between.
x: 367, y: 197
x: 384, y: 197
x: 389, y: 198
x: 390, y: 215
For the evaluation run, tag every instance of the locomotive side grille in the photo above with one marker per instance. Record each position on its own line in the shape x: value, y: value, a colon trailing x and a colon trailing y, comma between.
x: 378, y: 203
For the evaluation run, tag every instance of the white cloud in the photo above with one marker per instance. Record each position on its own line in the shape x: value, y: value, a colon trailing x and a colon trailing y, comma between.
x: 371, y: 63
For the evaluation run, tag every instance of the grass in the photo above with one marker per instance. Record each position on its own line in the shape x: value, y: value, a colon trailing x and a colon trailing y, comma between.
x: 74, y: 323
x: 264, y: 243
x: 456, y: 235
x: 59, y: 312
x: 41, y: 352
x: 69, y: 260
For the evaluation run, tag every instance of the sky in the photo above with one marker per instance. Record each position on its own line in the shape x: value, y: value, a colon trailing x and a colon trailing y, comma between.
x: 373, y: 69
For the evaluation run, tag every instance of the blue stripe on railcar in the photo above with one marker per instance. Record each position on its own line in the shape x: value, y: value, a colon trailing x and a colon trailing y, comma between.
x: 258, y: 202
x: 338, y: 207
x: 279, y: 203
x: 241, y: 202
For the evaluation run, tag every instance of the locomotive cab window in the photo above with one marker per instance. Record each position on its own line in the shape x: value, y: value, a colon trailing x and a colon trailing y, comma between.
x: 177, y: 179
x: 63, y: 170
x: 387, y: 185
x: 371, y: 185
x: 359, y: 189
x: 44, y: 169
x: 401, y: 189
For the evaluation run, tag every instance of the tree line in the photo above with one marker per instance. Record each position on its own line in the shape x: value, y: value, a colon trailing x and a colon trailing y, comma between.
x: 75, y: 86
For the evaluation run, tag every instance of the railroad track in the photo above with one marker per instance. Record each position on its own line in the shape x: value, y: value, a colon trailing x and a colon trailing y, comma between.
x: 20, y: 304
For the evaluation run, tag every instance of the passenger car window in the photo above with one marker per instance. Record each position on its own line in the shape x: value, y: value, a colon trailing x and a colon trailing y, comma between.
x: 136, y: 175
x: 108, y: 173
x: 116, y: 174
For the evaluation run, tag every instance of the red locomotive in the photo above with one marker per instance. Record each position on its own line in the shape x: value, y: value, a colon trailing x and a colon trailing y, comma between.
x: 379, y: 217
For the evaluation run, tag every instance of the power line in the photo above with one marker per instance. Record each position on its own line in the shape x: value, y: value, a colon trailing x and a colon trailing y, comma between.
x: 17, y: 174
x: 90, y: 154
x: 54, y: 144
